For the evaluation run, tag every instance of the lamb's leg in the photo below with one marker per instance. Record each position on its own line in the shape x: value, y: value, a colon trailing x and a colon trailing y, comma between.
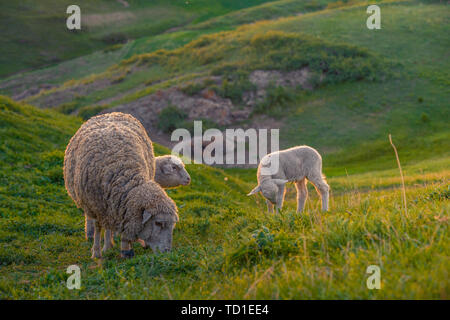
x: 89, y: 227
x: 96, y: 253
x: 280, y: 198
x: 108, y: 242
x: 302, y: 194
x: 322, y: 188
x: 126, y: 251
x: 269, y: 206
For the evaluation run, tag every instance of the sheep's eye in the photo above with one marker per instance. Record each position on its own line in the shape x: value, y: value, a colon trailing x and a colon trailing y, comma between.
x: 174, y: 167
x: 159, y: 224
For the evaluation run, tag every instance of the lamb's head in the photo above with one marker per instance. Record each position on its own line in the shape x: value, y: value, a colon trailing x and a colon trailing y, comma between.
x: 269, y: 189
x: 159, y: 217
x: 170, y: 172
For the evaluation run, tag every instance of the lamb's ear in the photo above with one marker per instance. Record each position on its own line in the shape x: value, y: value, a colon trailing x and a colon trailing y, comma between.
x: 279, y: 181
x: 255, y: 190
x: 146, y: 216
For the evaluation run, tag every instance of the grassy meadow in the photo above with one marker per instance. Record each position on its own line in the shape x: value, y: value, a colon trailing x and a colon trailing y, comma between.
x: 226, y: 246
x: 369, y: 83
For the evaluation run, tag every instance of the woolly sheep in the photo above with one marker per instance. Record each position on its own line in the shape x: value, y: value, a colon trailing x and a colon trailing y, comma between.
x: 109, y: 170
x: 297, y: 164
x: 169, y: 173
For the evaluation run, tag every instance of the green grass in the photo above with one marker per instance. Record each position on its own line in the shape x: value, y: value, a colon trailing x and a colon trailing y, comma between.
x: 388, y: 82
x: 145, y: 42
x: 26, y: 25
x: 393, y: 80
x: 225, y: 245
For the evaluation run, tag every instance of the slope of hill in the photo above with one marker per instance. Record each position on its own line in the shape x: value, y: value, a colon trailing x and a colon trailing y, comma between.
x: 26, y: 24
x: 322, y: 77
x: 225, y: 246
x: 172, y: 38
x: 389, y: 81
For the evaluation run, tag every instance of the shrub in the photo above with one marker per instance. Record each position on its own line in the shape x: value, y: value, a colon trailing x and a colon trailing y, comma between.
x: 171, y: 118
x: 277, y: 101
x: 234, y: 86
x: 424, y: 117
x: 192, y: 88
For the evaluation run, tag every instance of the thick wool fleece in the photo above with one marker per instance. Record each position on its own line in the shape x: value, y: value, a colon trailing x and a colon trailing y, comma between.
x: 109, y: 170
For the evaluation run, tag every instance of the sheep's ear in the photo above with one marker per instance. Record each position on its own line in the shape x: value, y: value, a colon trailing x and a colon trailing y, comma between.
x: 146, y: 216
x: 255, y: 190
x: 280, y: 182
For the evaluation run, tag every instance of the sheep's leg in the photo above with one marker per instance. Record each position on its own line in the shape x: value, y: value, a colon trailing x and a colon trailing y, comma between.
x: 280, y: 198
x: 96, y: 253
x: 108, y: 242
x: 89, y: 227
x: 302, y: 194
x: 126, y: 250
x: 269, y: 206
x: 322, y: 188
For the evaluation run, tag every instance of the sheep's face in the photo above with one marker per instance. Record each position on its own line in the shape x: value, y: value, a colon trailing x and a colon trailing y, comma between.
x: 173, y: 174
x: 270, y: 190
x: 157, y: 234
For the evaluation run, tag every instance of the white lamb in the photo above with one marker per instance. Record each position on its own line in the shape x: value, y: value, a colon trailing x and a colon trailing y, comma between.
x: 297, y: 164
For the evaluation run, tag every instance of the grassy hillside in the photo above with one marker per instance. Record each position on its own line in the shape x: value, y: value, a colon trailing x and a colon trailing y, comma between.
x: 99, y: 61
x: 26, y: 25
x: 393, y: 80
x: 225, y: 245
x: 352, y: 87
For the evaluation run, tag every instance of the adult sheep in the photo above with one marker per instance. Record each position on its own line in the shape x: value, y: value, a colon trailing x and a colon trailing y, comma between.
x: 297, y: 164
x: 108, y: 171
x: 169, y: 173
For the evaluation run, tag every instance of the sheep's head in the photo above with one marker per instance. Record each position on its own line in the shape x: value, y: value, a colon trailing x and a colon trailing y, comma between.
x: 170, y: 172
x: 158, y: 223
x: 269, y: 189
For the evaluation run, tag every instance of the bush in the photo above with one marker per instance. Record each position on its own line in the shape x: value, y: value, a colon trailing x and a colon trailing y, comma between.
x: 276, y: 102
x: 193, y: 88
x: 171, y: 118
x: 234, y: 86
x: 424, y: 118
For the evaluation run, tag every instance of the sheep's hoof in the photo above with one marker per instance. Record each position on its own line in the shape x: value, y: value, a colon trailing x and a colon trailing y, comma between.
x: 126, y: 254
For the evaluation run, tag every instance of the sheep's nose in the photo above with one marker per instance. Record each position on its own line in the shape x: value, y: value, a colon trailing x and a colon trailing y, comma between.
x: 188, y: 180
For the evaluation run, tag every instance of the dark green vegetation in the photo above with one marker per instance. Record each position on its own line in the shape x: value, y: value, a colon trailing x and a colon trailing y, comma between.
x: 171, y: 118
x: 365, y: 85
